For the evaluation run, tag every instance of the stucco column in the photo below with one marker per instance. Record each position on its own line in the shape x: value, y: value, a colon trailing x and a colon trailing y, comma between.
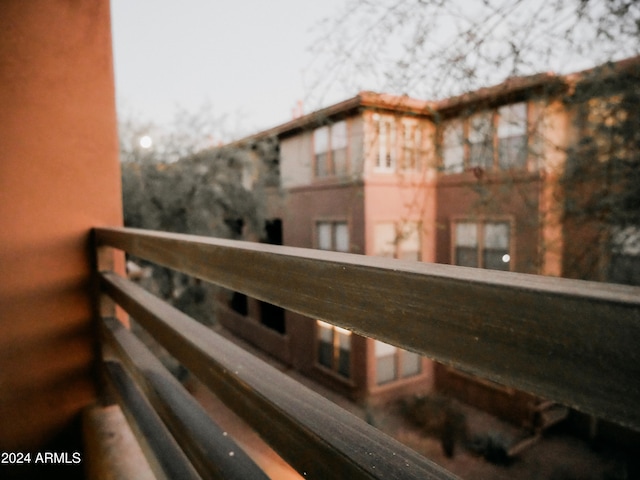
x: 59, y: 176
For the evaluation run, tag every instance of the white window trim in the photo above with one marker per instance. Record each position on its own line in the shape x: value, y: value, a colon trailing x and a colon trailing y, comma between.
x: 411, y: 146
x: 382, y: 142
x: 334, y: 136
x: 333, y: 223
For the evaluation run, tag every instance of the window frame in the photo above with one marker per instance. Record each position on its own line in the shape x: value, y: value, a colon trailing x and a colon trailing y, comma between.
x: 327, y: 147
x: 508, y: 135
x: 485, y: 139
x: 480, y: 250
x: 334, y: 225
x: 411, y: 152
x: 448, y: 144
x: 402, y: 231
x: 399, y: 357
x: 386, y: 158
x: 338, y: 366
x: 494, y: 143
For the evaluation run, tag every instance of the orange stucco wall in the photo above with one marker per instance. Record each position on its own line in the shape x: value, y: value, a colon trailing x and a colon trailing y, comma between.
x: 389, y: 198
x: 59, y: 176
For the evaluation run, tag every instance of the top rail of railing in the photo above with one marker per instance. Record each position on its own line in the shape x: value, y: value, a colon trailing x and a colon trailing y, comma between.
x: 571, y: 341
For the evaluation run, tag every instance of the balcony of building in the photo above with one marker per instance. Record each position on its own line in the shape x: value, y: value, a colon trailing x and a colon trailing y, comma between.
x: 68, y: 360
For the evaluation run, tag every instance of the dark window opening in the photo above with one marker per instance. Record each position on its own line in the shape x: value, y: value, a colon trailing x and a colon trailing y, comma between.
x: 239, y: 303
x: 272, y: 316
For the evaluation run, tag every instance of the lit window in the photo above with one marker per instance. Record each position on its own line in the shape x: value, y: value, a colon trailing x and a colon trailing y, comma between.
x: 334, y: 348
x: 483, y: 245
x: 394, y: 363
x: 512, y: 136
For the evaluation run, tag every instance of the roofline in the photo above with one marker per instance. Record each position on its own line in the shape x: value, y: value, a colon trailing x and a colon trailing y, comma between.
x: 513, y: 86
x: 496, y: 94
x: 364, y: 99
x: 606, y: 70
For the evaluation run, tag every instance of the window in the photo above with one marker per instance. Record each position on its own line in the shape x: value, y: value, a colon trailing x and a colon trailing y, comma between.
x: 512, y: 136
x: 393, y: 363
x: 321, y: 150
x: 332, y: 236
x: 386, y: 132
x: 478, y: 132
x: 453, y: 147
x: 482, y: 244
x: 481, y: 141
x: 330, y: 149
x: 339, y: 147
x: 397, y: 241
x: 334, y: 343
x: 272, y: 316
x: 334, y: 348
x: 411, y: 147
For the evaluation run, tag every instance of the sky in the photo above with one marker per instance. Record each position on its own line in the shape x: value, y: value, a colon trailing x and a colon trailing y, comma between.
x: 248, y: 59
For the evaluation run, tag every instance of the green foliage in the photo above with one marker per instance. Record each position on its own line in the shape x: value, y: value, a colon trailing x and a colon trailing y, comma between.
x: 176, y: 186
x: 602, y: 177
x: 436, y: 49
x: 201, y: 195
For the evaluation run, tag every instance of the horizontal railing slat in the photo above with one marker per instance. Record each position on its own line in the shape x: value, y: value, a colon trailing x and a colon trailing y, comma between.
x: 572, y: 341
x: 165, y: 457
x: 315, y: 436
x: 214, y: 454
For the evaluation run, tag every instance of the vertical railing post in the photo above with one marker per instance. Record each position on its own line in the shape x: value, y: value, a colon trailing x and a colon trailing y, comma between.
x: 106, y: 259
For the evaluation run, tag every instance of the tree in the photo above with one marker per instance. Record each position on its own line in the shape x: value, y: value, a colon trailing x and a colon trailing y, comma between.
x: 602, y: 178
x: 177, y: 186
x: 434, y: 49
x: 188, y: 133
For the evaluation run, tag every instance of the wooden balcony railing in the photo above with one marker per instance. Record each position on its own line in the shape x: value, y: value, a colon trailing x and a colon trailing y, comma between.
x: 574, y: 342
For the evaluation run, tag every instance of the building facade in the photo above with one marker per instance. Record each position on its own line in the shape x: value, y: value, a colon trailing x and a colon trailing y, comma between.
x: 478, y: 181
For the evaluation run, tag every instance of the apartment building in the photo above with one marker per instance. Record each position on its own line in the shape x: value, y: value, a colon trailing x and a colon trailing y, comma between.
x: 354, y: 177
x: 478, y: 180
